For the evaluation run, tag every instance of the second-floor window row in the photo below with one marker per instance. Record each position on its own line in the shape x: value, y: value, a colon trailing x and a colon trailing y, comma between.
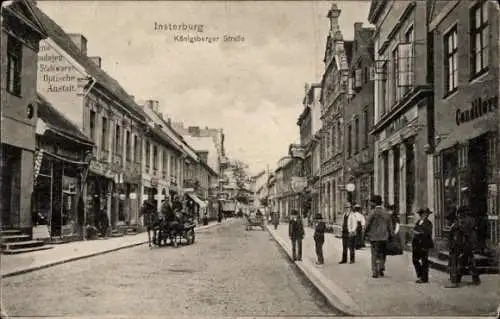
x: 14, y: 65
x: 479, y: 38
x: 450, y: 61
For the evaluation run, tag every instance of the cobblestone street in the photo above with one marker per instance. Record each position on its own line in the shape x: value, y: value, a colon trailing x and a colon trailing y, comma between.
x: 227, y: 272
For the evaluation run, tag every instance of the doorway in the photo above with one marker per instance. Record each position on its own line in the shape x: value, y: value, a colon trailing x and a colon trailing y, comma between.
x: 478, y: 178
x: 9, y: 195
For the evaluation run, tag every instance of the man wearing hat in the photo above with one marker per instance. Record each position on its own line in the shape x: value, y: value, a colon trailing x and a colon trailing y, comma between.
x: 461, y: 241
x: 421, y: 244
x: 296, y: 233
x: 348, y: 235
x: 378, y: 230
x: 319, y: 237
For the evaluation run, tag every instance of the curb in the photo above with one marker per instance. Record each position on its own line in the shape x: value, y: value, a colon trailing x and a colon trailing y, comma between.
x: 334, y: 295
x: 60, y: 262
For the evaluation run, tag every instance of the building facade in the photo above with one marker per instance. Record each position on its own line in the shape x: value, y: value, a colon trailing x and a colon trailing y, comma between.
x: 334, y: 86
x: 466, y: 92
x: 403, y: 96
x: 75, y: 84
x: 163, y: 158
x: 358, y: 149
x: 20, y: 38
x: 61, y: 166
x: 312, y: 100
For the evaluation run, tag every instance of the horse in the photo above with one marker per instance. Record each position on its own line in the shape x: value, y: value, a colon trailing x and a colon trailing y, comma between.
x: 151, y: 222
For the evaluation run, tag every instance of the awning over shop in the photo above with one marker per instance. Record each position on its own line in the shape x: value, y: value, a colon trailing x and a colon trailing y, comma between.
x: 468, y: 131
x: 197, y: 200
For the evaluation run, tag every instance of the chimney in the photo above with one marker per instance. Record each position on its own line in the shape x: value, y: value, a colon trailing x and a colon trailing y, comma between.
x: 80, y: 41
x: 194, y: 131
x: 132, y: 97
x: 97, y: 60
x: 358, y: 26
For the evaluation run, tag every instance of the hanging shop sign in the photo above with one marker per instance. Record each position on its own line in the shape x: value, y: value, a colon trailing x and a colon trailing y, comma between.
x: 479, y: 107
x: 132, y: 195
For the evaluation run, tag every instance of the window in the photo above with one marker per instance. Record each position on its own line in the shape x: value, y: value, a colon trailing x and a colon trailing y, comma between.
x: 148, y: 154
x: 404, y: 68
x: 366, y: 74
x: 349, y: 140
x: 356, y: 135
x: 367, y: 126
x: 358, y: 78
x: 479, y: 38
x: 92, y: 125
x: 118, y: 137
x: 128, y: 149
x: 394, y: 79
x: 334, y: 140
x: 137, y: 149
x: 155, y: 157
x: 104, y: 136
x: 14, y: 67
x: 450, y: 61
x: 165, y: 161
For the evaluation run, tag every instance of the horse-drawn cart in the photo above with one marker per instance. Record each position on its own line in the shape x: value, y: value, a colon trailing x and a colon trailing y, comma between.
x: 255, y: 220
x: 174, y: 232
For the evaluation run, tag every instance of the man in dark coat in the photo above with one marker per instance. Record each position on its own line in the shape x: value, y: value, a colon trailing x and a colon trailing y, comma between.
x: 421, y: 244
x: 296, y: 233
x: 319, y: 238
x: 461, y: 241
x: 378, y: 230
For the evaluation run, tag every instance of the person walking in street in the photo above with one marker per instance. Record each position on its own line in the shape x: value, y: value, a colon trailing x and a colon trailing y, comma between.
x: 319, y: 238
x: 378, y: 230
x: 360, y: 226
x: 421, y: 244
x: 296, y: 233
x: 348, y: 235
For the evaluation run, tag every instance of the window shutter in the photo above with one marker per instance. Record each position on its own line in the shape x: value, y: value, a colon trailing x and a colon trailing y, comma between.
x: 372, y: 73
x: 350, y: 84
x: 358, y: 78
x: 404, y: 64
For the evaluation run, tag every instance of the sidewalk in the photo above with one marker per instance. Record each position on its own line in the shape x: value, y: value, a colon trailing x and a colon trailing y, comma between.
x: 350, y: 288
x: 12, y: 265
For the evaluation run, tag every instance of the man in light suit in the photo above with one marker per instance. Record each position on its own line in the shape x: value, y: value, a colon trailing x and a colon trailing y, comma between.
x: 349, y: 225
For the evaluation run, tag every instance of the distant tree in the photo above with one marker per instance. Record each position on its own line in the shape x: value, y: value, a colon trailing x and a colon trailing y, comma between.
x: 241, y: 177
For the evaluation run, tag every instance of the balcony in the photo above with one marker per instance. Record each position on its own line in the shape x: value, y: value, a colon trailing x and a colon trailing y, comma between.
x: 191, y: 183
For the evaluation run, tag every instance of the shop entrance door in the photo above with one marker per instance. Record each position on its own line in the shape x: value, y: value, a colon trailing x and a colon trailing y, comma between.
x: 8, y: 162
x: 478, y: 163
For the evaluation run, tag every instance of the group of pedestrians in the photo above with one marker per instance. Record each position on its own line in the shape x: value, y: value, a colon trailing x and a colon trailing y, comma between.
x: 381, y: 229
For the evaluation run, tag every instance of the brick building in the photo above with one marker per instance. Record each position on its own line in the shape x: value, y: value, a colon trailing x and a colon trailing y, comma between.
x: 466, y: 92
x: 20, y: 37
x: 359, y: 117
x: 333, y: 100
x: 403, y: 96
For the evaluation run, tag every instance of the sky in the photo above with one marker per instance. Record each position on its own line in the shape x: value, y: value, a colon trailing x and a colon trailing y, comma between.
x: 252, y: 89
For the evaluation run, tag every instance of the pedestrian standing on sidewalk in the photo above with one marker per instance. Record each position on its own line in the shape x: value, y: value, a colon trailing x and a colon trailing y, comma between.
x: 422, y: 243
x: 276, y: 219
x: 348, y: 234
x: 378, y: 230
x: 394, y: 245
x: 319, y: 238
x: 360, y: 226
x: 296, y: 233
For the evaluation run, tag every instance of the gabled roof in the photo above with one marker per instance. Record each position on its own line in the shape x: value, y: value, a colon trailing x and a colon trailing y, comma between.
x: 24, y: 10
x: 61, y: 38
x: 58, y: 123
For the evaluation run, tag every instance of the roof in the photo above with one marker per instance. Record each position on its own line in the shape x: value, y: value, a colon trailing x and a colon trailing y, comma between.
x: 59, y: 36
x: 200, y: 144
x: 58, y: 123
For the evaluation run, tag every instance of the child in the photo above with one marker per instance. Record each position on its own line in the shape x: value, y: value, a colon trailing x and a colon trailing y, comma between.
x: 319, y: 238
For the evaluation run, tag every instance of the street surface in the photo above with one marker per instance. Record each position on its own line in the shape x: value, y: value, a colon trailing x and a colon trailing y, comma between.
x: 227, y: 272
